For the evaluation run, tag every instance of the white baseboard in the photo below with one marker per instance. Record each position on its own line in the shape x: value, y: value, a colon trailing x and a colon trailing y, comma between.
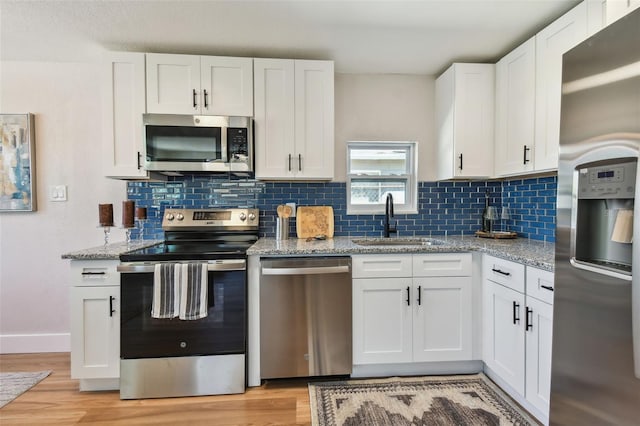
x: 34, y: 343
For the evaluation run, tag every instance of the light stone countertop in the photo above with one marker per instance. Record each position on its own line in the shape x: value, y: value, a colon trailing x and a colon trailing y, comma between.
x: 109, y: 251
x: 529, y: 252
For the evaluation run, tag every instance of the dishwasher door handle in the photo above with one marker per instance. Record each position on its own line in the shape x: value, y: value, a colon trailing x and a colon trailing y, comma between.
x: 306, y: 270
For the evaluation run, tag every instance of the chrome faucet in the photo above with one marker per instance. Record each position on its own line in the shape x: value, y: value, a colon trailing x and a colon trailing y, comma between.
x: 388, y: 214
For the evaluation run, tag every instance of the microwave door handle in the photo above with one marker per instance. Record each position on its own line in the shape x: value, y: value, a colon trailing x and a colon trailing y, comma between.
x: 223, y: 144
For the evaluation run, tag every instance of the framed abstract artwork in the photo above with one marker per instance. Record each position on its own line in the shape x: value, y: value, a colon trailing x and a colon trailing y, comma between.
x: 17, y: 163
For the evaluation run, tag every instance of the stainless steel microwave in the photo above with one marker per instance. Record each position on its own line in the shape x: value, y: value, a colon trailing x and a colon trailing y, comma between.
x: 198, y: 143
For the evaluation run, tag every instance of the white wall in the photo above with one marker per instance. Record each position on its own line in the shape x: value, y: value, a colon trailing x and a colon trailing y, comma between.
x: 34, y: 280
x: 386, y: 107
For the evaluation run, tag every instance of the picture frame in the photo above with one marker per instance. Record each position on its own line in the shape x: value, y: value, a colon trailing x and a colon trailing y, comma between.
x: 17, y: 163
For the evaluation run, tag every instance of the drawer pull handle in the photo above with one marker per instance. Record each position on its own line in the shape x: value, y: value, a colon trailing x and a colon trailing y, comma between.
x: 408, y: 296
x: 501, y: 272
x: 94, y: 273
x: 546, y: 287
x: 516, y: 312
x: 529, y: 325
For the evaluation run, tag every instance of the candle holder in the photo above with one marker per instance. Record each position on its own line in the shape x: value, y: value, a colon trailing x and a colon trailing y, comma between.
x: 128, y: 234
x: 141, y: 223
x: 107, y: 230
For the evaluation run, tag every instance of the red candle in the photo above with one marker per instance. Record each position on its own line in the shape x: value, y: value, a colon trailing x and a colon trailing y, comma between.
x: 141, y: 213
x: 106, y: 214
x: 127, y: 214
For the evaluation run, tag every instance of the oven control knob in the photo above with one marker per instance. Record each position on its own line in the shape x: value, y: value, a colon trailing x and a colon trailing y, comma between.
x: 180, y: 216
x: 170, y: 216
x: 243, y: 217
x: 252, y: 216
x: 183, y: 345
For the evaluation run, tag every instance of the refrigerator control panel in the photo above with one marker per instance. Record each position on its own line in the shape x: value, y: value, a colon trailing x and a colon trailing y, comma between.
x: 610, y: 181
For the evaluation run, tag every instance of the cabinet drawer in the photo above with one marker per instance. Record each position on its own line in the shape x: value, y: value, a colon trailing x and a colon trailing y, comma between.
x: 540, y: 284
x: 94, y: 273
x: 442, y: 265
x: 381, y: 266
x: 505, y: 272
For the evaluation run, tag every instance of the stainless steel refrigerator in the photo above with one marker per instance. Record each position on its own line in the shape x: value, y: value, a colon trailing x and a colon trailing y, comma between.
x: 595, y: 376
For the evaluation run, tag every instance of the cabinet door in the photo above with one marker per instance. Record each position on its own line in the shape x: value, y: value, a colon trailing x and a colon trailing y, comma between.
x: 124, y: 103
x: 173, y: 84
x: 382, y: 320
x: 465, y: 115
x: 538, y: 355
x: 227, y: 85
x: 314, y: 120
x: 442, y: 319
x: 616, y: 9
x: 551, y: 43
x: 274, y: 118
x: 95, y: 332
x: 515, y: 110
x: 503, y: 339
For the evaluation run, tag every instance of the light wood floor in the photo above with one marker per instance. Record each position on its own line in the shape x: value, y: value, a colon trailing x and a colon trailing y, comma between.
x: 57, y: 401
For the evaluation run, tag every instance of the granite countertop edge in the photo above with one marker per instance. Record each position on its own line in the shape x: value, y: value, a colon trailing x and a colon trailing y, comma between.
x: 528, y: 252
x: 109, y: 251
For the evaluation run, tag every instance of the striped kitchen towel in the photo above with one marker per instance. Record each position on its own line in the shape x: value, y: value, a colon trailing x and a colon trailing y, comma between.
x: 166, y: 290
x: 193, y: 291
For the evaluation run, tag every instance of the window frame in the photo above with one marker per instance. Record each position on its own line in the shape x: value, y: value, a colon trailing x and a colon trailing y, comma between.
x: 410, y: 206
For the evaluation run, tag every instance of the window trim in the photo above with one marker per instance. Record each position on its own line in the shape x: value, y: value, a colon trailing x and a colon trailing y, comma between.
x: 411, y: 178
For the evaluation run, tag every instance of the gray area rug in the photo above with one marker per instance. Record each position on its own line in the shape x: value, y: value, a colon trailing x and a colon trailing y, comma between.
x: 433, y: 400
x: 13, y: 385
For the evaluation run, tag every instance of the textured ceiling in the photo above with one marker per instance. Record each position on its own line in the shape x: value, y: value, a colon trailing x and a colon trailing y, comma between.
x: 418, y: 37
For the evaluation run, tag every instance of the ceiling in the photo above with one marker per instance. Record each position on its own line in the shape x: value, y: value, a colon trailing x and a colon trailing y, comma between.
x: 364, y: 36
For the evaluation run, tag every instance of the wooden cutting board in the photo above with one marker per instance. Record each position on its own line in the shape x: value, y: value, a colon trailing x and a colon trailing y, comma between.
x: 312, y: 221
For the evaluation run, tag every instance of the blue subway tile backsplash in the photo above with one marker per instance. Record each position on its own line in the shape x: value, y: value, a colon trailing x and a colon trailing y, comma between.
x: 451, y: 208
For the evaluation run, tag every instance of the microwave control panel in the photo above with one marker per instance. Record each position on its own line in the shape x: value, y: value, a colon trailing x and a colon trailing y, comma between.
x: 238, y: 143
x: 611, y: 181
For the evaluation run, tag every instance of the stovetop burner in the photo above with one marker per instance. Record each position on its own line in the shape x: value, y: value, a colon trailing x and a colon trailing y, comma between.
x: 203, y: 234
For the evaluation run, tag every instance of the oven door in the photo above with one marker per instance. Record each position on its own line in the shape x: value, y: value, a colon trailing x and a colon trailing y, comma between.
x: 221, y: 332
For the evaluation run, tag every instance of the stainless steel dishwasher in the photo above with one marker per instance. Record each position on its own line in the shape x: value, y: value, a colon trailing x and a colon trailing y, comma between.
x: 305, y: 317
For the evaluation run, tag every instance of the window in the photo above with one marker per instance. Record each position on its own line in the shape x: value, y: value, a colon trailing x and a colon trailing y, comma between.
x: 375, y: 169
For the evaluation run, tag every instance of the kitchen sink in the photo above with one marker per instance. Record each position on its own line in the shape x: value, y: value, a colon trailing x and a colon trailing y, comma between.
x: 396, y: 242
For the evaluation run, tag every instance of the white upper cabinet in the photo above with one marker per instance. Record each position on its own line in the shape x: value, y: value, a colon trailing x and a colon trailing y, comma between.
x: 616, y: 9
x: 515, y: 110
x: 551, y: 43
x: 294, y: 119
x: 123, y: 84
x: 207, y: 85
x: 465, y: 112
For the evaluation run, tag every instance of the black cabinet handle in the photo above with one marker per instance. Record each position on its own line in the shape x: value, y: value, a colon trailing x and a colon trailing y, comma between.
x: 94, y: 273
x: 206, y: 104
x: 546, y: 287
x: 195, y: 104
x: 501, y: 272
x: 299, y: 162
x: 408, y: 296
x: 111, y: 310
x: 289, y: 162
x: 460, y: 157
x: 529, y: 325
x: 419, y: 295
x: 139, y: 162
x: 525, y: 155
x: 516, y: 312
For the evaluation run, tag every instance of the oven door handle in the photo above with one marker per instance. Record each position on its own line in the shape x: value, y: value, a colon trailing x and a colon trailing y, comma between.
x: 224, y: 265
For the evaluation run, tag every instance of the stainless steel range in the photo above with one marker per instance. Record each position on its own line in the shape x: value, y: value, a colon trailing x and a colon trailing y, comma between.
x: 164, y: 353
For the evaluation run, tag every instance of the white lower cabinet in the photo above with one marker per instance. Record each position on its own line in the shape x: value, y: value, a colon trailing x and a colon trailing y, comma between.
x: 95, y: 324
x: 517, y: 331
x: 420, y: 314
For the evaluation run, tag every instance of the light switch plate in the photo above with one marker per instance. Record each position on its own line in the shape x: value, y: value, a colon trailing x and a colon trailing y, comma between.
x: 58, y: 193
x: 293, y: 209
